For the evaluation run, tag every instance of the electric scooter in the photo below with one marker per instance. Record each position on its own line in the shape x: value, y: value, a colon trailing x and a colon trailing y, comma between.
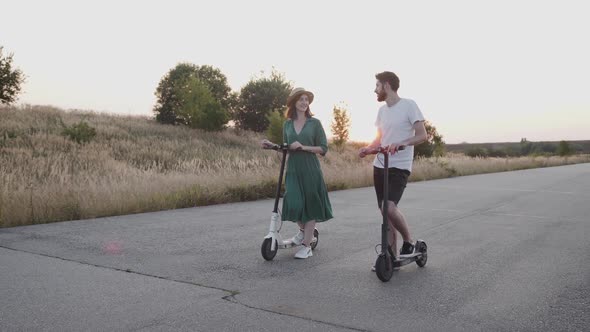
x: 386, y: 262
x: 273, y: 240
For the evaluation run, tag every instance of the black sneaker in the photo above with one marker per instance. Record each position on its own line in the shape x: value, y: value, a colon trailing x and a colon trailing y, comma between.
x: 407, y: 249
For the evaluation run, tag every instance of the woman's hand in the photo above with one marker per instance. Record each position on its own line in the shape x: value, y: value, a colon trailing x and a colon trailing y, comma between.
x: 266, y: 143
x: 296, y: 146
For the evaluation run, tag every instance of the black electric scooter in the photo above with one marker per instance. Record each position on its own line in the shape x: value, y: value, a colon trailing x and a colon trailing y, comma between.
x: 273, y: 240
x: 385, y: 261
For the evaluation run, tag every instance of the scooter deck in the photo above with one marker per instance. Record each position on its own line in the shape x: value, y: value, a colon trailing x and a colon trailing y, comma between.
x: 407, y: 259
x: 288, y: 244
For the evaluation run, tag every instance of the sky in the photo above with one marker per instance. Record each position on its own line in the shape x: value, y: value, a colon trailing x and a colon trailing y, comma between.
x: 494, y: 71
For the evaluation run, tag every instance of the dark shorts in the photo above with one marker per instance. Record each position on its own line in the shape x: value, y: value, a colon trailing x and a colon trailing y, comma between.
x: 398, y: 179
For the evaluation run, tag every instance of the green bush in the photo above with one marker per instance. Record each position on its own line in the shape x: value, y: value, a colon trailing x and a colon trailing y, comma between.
x: 434, y: 145
x: 80, y: 132
x: 198, y: 107
x: 274, y: 132
x: 497, y: 153
x: 476, y: 152
x: 563, y: 149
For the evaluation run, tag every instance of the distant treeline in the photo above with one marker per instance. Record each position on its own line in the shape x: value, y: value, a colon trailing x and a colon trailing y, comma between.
x: 522, y: 148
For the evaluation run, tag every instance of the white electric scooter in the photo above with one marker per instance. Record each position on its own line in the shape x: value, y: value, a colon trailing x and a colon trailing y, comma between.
x: 273, y: 240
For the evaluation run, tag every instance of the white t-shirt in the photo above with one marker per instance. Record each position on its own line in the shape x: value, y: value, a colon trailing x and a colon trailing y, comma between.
x: 396, y: 124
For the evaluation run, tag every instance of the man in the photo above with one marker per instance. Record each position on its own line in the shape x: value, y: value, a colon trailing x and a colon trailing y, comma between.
x: 399, y: 123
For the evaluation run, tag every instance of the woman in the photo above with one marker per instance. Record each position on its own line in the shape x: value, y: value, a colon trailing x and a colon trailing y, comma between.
x: 306, y: 197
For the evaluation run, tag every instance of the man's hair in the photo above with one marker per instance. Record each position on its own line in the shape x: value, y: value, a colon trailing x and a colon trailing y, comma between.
x: 389, y: 77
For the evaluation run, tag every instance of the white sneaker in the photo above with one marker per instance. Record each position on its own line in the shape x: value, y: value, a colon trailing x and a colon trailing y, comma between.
x: 304, y: 252
x: 298, y: 238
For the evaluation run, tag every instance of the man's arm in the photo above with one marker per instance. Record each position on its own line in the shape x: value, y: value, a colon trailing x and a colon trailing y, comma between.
x: 420, y: 134
x: 375, y: 144
x: 377, y: 141
x: 419, y: 137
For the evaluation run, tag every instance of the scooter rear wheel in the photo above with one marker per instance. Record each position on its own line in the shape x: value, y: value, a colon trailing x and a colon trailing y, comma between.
x: 316, y: 234
x: 266, y: 251
x: 422, y: 248
x: 381, y: 268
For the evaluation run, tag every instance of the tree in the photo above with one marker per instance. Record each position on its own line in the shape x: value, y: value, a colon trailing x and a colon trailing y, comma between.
x: 11, y: 79
x: 198, y: 107
x: 258, y: 98
x: 217, y: 83
x: 434, y: 145
x: 177, y: 80
x: 340, y: 125
x: 563, y: 149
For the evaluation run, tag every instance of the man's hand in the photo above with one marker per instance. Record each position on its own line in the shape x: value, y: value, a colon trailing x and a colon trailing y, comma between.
x: 367, y: 150
x: 363, y: 152
x: 393, y: 148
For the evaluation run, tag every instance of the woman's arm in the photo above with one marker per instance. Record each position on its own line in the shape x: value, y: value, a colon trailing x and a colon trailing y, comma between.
x: 320, y: 141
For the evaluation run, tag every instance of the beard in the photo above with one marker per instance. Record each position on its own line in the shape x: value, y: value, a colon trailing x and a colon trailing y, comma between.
x: 381, y: 96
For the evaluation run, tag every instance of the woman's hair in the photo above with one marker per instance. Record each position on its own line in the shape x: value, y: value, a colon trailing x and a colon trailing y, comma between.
x: 291, y: 112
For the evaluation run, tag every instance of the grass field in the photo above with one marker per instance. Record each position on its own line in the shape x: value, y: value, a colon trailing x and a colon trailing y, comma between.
x: 137, y: 165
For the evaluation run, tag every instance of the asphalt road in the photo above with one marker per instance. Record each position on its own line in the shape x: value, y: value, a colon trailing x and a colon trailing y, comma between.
x: 507, y: 252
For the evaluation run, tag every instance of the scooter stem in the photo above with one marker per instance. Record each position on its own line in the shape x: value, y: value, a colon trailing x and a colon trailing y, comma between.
x: 278, y: 193
x: 385, y: 226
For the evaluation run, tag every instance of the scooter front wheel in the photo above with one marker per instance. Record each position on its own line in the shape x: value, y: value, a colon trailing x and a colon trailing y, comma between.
x: 422, y: 248
x: 266, y: 251
x: 383, y: 273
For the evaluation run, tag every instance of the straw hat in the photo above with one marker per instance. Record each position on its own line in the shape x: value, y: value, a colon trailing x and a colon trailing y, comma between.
x: 296, y: 93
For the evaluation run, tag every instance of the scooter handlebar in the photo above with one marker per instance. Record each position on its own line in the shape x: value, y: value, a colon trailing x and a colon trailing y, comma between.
x: 276, y: 147
x: 273, y: 146
x: 383, y: 149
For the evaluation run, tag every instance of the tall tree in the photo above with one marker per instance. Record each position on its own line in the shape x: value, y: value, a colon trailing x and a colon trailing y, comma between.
x: 11, y: 79
x: 340, y: 125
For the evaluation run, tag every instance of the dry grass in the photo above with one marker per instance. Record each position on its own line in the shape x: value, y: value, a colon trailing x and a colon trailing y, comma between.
x: 459, y: 165
x: 136, y: 165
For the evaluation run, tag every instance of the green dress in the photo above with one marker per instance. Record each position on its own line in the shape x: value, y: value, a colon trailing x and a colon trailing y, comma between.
x: 306, y: 195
